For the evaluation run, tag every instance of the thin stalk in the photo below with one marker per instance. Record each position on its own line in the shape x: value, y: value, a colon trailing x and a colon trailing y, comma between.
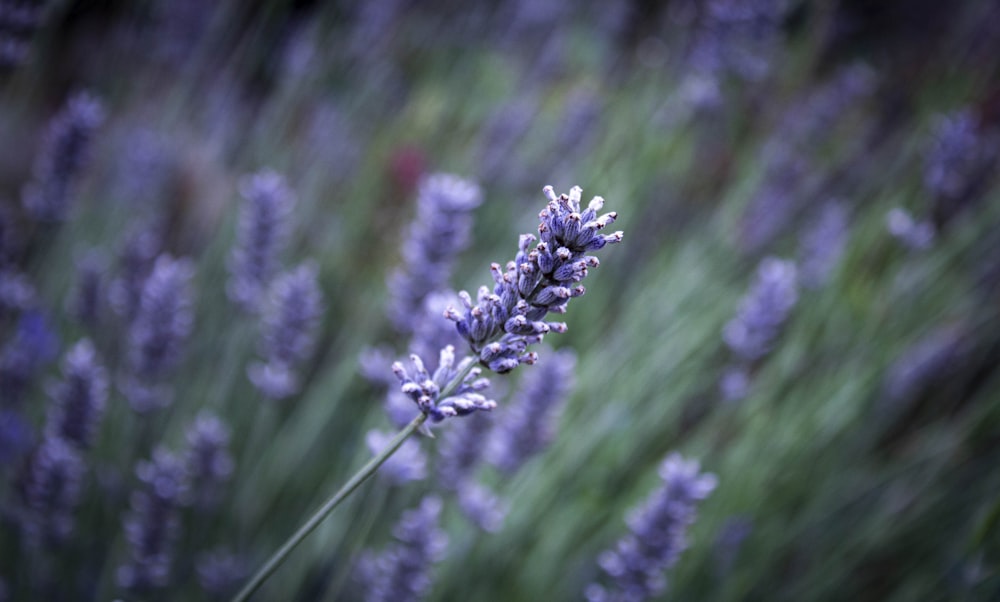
x: 359, y: 477
x: 314, y: 521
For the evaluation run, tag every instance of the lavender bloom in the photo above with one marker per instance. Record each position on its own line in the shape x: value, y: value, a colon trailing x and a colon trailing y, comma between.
x: 658, y: 535
x: 260, y: 238
x: 18, y: 22
x: 425, y: 389
x: 541, y: 279
x: 136, y: 256
x: 762, y: 311
x: 152, y: 524
x: 529, y: 425
x: 480, y: 505
x: 822, y: 244
x: 915, y: 235
x: 163, y: 322
x: 84, y: 303
x: 402, y: 572
x: 64, y: 152
x: 32, y: 346
x: 16, y: 436
x: 460, y: 451
x: 955, y: 157
x: 209, y: 463
x: 407, y: 464
x: 51, y: 490
x: 439, y: 233
x: 220, y: 573
x: 289, y: 325
x: 79, y: 400
x: 739, y: 37
x: 16, y: 291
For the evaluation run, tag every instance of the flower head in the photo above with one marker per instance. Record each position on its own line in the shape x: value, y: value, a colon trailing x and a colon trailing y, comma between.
x: 542, y: 279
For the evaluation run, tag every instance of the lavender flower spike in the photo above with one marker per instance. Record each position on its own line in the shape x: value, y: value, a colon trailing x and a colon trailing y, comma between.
x: 209, y: 463
x: 407, y: 464
x: 425, y: 389
x: 79, y: 401
x: 438, y: 234
x: 51, y: 489
x: 762, y: 311
x: 294, y: 306
x: 152, y: 525
x: 260, y: 237
x: 658, y: 535
x: 64, y: 152
x: 541, y: 280
x: 401, y: 573
x: 162, y: 323
x: 529, y: 425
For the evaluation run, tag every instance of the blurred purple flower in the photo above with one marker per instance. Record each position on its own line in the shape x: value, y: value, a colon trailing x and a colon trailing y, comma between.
x: 261, y: 237
x: 481, y: 505
x: 51, y: 488
x: 161, y: 326
x: 407, y: 464
x: 657, y: 535
x: 289, y: 323
x: 439, y: 232
x: 915, y: 235
x: 220, y: 573
x: 153, y: 522
x: 18, y: 22
x: 822, y: 244
x: 65, y: 149
x: 135, y: 258
x: 528, y: 425
x: 208, y: 460
x: 750, y: 335
x: 80, y: 399
x: 401, y: 573
x: 461, y: 450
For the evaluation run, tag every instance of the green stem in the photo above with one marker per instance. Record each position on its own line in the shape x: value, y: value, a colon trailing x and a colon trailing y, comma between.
x: 310, y: 525
x: 359, y: 477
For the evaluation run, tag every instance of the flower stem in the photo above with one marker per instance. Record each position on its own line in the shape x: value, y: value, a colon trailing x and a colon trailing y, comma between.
x: 310, y: 525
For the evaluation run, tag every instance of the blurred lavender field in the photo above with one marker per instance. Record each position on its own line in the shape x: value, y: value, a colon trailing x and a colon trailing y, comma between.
x: 221, y: 223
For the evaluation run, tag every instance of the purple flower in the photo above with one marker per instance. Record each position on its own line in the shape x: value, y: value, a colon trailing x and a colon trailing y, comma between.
x: 657, y: 535
x: 289, y: 324
x: 401, y: 573
x: 763, y: 310
x: 16, y: 291
x: 822, y: 244
x: 136, y: 256
x: 481, y: 505
x: 18, y: 22
x: 461, y: 450
x: 51, y: 489
x: 16, y: 436
x: 209, y: 463
x: 739, y: 37
x: 438, y: 234
x: 260, y: 237
x: 65, y: 149
x: 425, y: 389
x: 161, y: 326
x: 915, y: 235
x: 153, y: 523
x: 79, y: 400
x: 408, y: 463
x: 529, y: 425
x: 956, y: 155
x: 541, y: 280
x: 220, y: 573
x: 32, y: 346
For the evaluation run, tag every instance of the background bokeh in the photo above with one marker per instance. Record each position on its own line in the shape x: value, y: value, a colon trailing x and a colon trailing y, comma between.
x: 856, y: 458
